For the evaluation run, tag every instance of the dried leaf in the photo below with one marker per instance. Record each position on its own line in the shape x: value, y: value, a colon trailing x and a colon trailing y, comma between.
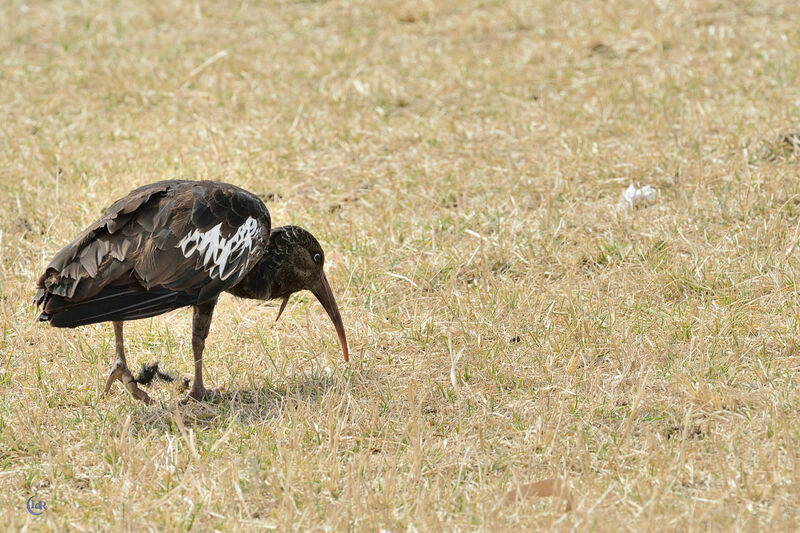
x: 541, y: 489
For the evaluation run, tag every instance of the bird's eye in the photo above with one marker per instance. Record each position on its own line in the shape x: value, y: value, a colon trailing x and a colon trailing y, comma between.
x: 317, y: 258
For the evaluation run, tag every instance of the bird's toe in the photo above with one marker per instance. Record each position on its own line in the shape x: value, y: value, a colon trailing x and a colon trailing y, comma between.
x: 118, y: 368
x: 202, y: 395
x: 119, y: 371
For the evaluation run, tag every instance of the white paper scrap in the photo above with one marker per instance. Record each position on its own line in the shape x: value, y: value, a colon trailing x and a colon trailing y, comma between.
x: 636, y: 197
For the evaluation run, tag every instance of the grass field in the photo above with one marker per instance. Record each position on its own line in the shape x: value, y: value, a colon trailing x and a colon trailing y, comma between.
x: 460, y: 163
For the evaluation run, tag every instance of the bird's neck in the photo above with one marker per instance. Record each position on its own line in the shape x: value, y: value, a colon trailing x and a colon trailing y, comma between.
x: 257, y: 284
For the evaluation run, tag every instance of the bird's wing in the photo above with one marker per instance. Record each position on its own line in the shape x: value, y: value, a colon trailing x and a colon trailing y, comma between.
x: 214, y: 236
x: 101, y: 253
x: 163, y: 246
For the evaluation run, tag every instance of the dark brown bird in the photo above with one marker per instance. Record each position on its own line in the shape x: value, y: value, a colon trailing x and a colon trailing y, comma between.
x: 177, y: 243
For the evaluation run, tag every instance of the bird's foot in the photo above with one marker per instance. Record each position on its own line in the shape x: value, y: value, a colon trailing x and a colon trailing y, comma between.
x: 198, y: 395
x: 119, y: 371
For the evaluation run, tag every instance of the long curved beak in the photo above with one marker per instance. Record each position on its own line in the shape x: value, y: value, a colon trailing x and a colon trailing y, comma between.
x: 324, y: 294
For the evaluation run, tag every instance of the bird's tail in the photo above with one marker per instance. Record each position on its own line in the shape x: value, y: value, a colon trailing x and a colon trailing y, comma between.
x: 112, y: 304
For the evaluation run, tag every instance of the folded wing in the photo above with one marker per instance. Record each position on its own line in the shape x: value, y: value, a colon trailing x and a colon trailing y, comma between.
x: 163, y: 246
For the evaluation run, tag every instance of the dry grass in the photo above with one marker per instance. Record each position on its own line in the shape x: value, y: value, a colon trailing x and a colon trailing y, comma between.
x: 460, y: 162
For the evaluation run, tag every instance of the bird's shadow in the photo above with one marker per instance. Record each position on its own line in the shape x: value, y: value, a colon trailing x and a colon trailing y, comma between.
x: 249, y: 405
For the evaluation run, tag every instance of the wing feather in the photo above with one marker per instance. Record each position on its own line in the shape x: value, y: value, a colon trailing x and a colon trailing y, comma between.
x: 189, y: 239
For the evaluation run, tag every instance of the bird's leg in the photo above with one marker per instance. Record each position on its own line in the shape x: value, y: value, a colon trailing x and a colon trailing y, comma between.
x: 201, y: 323
x: 119, y: 370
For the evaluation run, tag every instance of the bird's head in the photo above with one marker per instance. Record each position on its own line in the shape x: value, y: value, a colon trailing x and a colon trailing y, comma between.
x: 295, y: 262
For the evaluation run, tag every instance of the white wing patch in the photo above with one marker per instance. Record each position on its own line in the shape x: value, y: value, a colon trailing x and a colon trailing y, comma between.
x: 216, y: 253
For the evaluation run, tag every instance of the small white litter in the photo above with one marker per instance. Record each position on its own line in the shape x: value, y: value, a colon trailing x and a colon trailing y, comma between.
x: 633, y: 197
